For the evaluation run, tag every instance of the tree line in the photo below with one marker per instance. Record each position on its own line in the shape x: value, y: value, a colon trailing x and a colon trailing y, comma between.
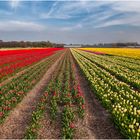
x: 29, y: 44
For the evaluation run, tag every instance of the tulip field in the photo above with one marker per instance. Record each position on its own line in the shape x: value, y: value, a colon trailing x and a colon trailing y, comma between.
x: 70, y: 93
x: 126, y: 52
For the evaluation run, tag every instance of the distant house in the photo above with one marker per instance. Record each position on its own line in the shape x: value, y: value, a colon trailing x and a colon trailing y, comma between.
x: 72, y: 46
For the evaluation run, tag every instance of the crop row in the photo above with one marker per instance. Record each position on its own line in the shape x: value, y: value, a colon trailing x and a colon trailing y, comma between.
x: 17, y: 55
x: 10, y: 56
x: 129, y: 63
x: 40, y: 110
x: 126, y: 52
x: 21, y: 61
x: 118, y: 69
x: 62, y: 99
x: 116, y: 96
x: 127, y: 59
x: 13, y: 92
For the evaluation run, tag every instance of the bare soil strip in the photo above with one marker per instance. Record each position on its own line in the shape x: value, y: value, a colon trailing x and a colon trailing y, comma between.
x: 16, y: 123
x: 97, y: 123
x: 52, y: 129
x: 49, y: 129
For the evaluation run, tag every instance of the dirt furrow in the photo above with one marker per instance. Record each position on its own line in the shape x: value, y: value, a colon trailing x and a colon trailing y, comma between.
x: 16, y: 123
x: 52, y: 129
x: 97, y: 123
x: 49, y: 129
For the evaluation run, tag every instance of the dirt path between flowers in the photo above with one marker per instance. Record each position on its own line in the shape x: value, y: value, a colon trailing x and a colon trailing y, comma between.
x: 49, y: 129
x: 53, y: 129
x: 16, y: 123
x: 7, y: 80
x: 97, y: 123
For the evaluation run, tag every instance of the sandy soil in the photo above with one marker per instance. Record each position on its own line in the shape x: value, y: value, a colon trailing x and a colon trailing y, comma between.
x: 49, y: 129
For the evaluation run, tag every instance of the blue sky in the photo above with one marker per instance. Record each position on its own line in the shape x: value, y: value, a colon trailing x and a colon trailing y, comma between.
x: 70, y: 21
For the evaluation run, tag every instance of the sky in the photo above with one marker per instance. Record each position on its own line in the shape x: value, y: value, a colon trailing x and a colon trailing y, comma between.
x: 82, y: 22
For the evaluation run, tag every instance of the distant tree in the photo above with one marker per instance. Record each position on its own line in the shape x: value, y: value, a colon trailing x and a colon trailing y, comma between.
x: 23, y: 44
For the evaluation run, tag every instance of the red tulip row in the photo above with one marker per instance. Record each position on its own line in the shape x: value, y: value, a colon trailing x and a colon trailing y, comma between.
x: 14, y: 91
x: 17, y: 61
x: 10, y: 56
x: 79, y: 98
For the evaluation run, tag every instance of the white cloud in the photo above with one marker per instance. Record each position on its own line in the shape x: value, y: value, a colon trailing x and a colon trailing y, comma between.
x: 73, y: 9
x: 67, y: 9
x: 70, y: 28
x: 55, y: 13
x: 14, y: 3
x: 48, y: 15
x: 129, y: 6
x: 130, y: 11
x: 20, y: 26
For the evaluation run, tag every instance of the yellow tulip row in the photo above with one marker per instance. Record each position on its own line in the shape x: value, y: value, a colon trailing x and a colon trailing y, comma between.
x: 128, y: 52
x: 119, y: 98
x: 129, y: 73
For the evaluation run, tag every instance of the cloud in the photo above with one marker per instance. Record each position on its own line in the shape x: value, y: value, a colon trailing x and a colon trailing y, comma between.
x: 134, y: 21
x: 70, y: 28
x: 105, y: 13
x: 51, y: 12
x: 95, y: 14
x: 55, y: 12
x: 67, y: 9
x: 71, y: 21
x: 129, y: 6
x: 20, y: 26
x: 14, y: 3
x: 130, y: 14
